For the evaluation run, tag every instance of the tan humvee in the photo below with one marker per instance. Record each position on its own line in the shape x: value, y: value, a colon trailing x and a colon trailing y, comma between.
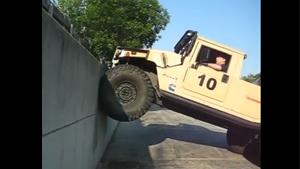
x: 183, y: 83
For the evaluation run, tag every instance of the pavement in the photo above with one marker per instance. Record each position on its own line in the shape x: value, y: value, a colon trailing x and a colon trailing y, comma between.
x: 164, y: 139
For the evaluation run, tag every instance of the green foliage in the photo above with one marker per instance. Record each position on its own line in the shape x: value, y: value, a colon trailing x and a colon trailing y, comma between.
x: 251, y: 77
x: 106, y: 24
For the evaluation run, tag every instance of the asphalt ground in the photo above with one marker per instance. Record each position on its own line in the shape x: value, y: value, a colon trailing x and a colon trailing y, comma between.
x: 164, y: 139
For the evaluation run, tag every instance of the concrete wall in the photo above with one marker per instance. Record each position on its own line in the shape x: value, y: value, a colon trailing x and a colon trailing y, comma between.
x: 75, y: 132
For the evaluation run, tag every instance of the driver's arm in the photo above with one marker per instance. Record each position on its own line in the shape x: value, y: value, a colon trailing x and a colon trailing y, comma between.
x: 214, y: 66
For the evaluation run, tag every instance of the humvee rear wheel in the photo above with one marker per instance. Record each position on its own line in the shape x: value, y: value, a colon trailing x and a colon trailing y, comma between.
x: 237, y: 141
x: 133, y: 89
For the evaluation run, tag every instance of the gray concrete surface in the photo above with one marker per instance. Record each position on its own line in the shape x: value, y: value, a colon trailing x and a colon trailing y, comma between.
x: 163, y: 139
x: 75, y: 132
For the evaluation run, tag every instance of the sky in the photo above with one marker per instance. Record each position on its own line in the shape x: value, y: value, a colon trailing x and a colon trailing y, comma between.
x: 234, y: 23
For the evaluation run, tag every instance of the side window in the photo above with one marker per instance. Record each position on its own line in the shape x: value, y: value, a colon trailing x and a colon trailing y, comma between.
x: 209, y: 55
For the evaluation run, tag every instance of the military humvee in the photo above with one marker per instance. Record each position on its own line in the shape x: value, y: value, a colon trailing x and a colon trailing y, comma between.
x: 181, y: 81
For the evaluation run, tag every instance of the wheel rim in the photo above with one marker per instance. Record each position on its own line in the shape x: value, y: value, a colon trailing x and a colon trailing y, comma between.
x: 126, y: 93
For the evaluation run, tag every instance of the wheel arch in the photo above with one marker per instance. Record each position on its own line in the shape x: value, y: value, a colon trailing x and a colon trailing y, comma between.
x: 142, y: 63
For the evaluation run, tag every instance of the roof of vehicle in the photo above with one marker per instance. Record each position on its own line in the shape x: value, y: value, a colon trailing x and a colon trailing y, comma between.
x: 223, y: 46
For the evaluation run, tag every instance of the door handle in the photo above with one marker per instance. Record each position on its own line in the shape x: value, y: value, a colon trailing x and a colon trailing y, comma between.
x: 225, y: 78
x: 195, y: 65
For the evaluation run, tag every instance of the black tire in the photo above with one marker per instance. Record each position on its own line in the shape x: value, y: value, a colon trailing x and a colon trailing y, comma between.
x: 133, y: 89
x: 237, y: 141
x: 252, y: 152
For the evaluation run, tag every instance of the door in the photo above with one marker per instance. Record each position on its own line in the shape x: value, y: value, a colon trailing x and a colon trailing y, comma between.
x: 202, y: 81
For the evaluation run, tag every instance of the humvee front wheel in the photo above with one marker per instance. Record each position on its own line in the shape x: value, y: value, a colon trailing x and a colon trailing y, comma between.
x: 133, y: 89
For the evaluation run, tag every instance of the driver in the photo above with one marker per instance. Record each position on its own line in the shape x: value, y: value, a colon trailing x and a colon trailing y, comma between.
x: 219, y: 64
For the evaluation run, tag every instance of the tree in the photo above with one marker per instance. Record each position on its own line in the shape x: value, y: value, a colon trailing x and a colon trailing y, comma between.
x: 106, y: 24
x: 251, y: 77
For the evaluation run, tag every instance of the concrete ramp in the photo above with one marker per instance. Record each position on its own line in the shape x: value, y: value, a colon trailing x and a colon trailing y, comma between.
x: 75, y: 132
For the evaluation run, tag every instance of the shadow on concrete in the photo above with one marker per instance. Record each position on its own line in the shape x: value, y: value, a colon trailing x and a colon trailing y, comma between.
x: 129, y: 147
x: 187, y: 133
x: 205, y: 137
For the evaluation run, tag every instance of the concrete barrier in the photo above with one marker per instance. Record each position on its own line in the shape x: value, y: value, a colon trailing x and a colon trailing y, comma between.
x: 75, y: 132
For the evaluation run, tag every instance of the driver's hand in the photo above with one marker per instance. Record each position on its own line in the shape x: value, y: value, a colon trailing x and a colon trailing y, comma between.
x: 205, y: 64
